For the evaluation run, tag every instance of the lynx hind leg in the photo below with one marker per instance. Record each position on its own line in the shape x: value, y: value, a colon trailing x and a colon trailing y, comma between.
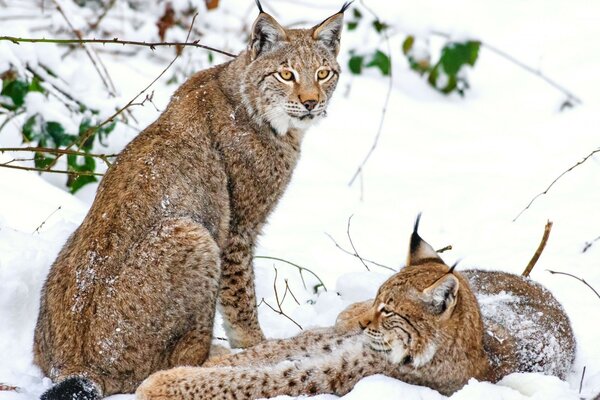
x: 237, y: 296
x: 161, y: 307
x: 349, y: 318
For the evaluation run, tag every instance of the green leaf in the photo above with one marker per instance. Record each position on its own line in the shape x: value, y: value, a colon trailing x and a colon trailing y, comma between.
x: 352, y: 25
x: 41, y: 160
x: 356, y: 13
x: 355, y: 64
x: 408, y: 43
x: 56, y: 131
x: 29, y: 127
x: 80, y: 181
x: 89, y: 164
x: 381, y: 61
x: 379, y: 26
x: 16, y: 90
x: 455, y: 55
x: 35, y: 85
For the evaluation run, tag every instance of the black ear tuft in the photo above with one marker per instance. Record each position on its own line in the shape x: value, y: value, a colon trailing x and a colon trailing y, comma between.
x: 345, y: 6
x: 260, y: 9
x: 419, y: 250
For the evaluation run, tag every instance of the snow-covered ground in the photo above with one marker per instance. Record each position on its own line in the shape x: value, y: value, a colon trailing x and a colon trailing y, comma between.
x: 470, y: 164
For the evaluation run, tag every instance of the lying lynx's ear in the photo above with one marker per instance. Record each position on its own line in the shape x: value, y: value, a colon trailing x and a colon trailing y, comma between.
x: 441, y: 297
x: 330, y: 30
x: 266, y: 33
x: 420, y: 251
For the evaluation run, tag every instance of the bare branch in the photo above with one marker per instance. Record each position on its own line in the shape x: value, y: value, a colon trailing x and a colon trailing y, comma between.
x: 8, y: 388
x: 556, y: 180
x: 385, y: 104
x: 300, y: 269
x: 587, y: 245
x: 576, y: 277
x: 279, y: 310
x: 53, y: 171
x: 352, y: 244
x: 37, y: 230
x: 444, y: 249
x: 356, y: 255
x: 105, y: 79
x: 151, y: 45
x: 540, y: 249
x: 581, y: 381
x: 103, y: 157
x: 90, y: 131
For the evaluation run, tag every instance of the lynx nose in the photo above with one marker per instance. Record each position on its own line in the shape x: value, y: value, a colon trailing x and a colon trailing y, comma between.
x: 309, y: 104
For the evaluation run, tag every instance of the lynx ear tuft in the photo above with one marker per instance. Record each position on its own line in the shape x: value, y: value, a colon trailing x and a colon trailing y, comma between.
x: 266, y: 33
x: 329, y: 31
x: 442, y: 296
x: 420, y: 251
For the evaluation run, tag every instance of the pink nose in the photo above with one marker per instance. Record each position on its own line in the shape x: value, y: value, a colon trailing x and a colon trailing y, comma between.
x: 310, y: 104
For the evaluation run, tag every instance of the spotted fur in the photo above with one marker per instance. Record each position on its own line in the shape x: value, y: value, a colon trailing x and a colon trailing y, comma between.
x: 172, y: 230
x: 424, y: 327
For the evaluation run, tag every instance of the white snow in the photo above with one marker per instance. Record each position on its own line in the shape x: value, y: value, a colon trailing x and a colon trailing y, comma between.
x: 470, y: 164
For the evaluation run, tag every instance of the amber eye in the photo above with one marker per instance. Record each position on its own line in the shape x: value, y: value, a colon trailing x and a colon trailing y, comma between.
x: 323, y: 73
x: 286, y: 75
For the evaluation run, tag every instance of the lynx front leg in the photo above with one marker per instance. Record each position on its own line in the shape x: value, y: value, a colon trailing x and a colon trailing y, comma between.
x: 237, y: 296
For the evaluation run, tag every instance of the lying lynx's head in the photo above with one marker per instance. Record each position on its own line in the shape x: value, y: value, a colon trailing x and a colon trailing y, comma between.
x: 422, y: 309
x: 291, y: 73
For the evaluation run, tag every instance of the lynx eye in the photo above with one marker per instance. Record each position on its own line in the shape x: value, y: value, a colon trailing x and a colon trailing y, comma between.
x: 286, y: 75
x: 323, y: 74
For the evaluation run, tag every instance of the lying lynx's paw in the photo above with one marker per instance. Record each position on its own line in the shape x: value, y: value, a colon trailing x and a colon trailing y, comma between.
x: 349, y: 319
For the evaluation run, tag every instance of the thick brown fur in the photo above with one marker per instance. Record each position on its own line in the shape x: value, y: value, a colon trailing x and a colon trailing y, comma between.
x: 175, y: 220
x: 424, y: 327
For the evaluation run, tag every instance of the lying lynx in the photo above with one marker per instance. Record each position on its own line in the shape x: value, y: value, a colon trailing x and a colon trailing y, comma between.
x: 175, y: 220
x: 424, y: 327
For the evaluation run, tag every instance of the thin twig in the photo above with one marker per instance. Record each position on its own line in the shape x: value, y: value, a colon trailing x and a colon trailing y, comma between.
x: 575, y: 277
x: 300, y: 269
x: 105, y: 79
x: 444, y: 249
x: 555, y: 180
x: 587, y: 245
x: 103, y: 157
x: 53, y: 171
x: 37, y: 230
x: 8, y: 388
x: 289, y: 290
x: 356, y: 255
x: 385, y: 104
x: 90, y: 131
x: 540, y: 249
x: 105, y: 11
x: 352, y: 244
x: 581, y: 381
x: 279, y: 310
x: 151, y: 45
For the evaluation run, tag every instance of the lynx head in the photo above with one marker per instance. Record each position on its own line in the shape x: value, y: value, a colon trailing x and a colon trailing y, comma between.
x: 419, y: 309
x: 290, y: 74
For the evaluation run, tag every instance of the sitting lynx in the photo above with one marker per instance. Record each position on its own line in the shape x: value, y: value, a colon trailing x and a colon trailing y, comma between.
x: 175, y: 220
x: 424, y: 327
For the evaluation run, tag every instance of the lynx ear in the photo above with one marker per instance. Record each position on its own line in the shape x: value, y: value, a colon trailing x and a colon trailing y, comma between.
x: 442, y: 295
x: 266, y: 33
x: 330, y: 30
x: 420, y: 251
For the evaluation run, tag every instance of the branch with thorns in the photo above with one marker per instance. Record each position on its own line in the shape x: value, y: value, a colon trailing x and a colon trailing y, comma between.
x: 151, y: 45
